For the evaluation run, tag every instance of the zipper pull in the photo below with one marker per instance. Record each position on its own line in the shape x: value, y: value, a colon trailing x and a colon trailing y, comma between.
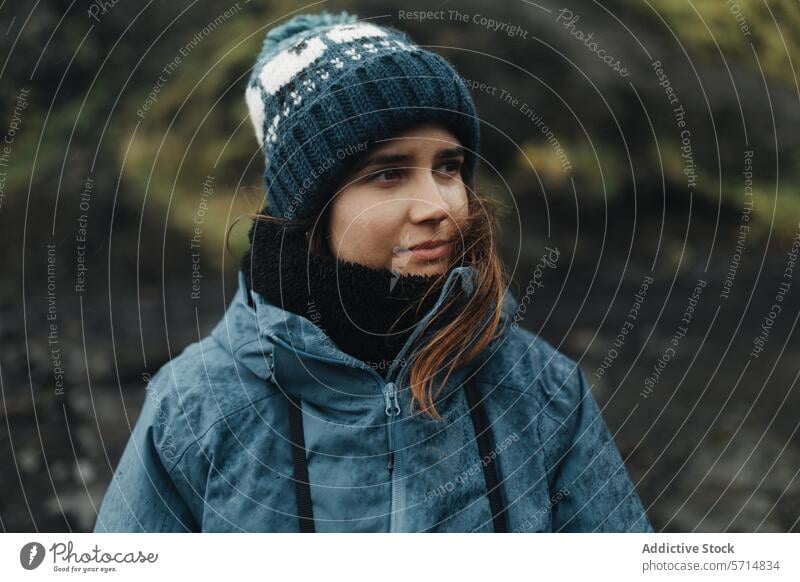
x: 387, y: 398
x: 390, y: 464
x: 390, y: 399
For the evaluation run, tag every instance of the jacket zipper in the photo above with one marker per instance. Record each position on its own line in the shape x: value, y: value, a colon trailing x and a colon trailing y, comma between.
x: 392, y: 410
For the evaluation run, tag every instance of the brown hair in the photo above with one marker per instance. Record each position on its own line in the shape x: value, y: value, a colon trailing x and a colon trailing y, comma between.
x: 475, y: 247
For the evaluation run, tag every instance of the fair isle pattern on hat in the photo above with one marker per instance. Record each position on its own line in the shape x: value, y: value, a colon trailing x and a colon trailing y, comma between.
x: 284, y: 67
x: 325, y: 84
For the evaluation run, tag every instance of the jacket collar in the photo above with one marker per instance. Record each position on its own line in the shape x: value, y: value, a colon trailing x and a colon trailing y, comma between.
x: 289, y: 349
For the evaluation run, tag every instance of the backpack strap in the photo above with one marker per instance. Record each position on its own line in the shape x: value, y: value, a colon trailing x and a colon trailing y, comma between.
x: 302, y: 487
x: 482, y: 434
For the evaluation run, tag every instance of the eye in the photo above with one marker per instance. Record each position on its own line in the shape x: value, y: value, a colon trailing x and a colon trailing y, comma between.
x: 449, y: 169
x: 385, y: 176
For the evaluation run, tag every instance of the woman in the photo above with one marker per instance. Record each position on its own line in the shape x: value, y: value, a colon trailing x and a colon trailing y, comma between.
x: 369, y: 374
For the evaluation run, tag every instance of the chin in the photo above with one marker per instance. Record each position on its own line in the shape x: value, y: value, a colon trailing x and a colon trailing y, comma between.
x: 432, y: 268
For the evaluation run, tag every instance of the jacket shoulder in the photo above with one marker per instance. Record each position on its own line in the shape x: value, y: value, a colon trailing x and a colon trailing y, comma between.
x: 526, y: 362
x: 196, y: 390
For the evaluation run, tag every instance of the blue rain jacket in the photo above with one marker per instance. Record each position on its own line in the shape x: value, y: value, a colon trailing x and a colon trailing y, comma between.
x: 211, y: 448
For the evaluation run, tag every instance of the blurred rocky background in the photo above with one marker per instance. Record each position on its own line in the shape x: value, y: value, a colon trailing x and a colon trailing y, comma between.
x: 653, y: 146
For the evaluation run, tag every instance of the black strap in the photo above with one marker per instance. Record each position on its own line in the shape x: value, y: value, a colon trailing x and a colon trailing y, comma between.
x: 482, y: 433
x: 302, y: 487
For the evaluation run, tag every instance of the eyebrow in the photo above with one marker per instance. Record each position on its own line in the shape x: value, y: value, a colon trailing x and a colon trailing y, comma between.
x: 385, y: 159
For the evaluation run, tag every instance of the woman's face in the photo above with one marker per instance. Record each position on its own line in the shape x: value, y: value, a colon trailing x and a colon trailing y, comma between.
x: 405, y: 192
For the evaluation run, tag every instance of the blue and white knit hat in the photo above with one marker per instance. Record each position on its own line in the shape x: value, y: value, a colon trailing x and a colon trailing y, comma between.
x: 325, y: 86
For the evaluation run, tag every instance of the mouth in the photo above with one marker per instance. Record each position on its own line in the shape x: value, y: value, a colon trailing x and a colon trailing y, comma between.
x: 428, y: 250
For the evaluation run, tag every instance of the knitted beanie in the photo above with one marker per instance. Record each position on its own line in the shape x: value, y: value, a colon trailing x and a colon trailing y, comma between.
x: 326, y: 88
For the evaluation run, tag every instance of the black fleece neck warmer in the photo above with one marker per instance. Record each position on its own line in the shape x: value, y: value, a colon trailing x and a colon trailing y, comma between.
x: 353, y: 304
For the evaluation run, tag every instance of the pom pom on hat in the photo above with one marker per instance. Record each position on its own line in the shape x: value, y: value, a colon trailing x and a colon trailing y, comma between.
x: 304, y: 22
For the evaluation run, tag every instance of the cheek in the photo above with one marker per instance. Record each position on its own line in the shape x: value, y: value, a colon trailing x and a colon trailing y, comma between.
x: 364, y: 232
x: 457, y: 198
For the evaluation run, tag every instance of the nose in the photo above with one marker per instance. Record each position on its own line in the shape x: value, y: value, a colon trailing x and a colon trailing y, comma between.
x: 429, y: 203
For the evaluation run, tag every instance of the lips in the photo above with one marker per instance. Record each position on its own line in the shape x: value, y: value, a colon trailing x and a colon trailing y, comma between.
x: 428, y: 244
x: 430, y: 250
